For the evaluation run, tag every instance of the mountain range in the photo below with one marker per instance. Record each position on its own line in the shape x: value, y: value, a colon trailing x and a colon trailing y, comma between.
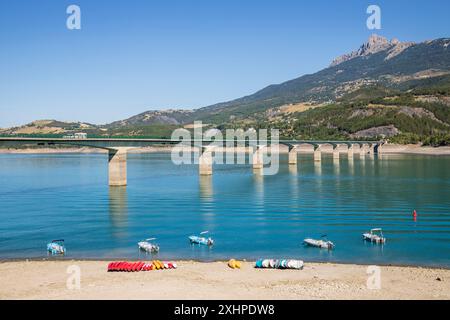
x: 385, y: 88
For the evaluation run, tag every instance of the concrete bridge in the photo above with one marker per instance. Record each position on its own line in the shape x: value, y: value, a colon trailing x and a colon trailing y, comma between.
x: 118, y: 148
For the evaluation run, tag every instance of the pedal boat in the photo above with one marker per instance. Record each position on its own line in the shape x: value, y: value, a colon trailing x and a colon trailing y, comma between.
x: 374, y: 236
x: 56, y: 247
x: 147, y: 246
x: 201, y: 240
x: 323, y: 244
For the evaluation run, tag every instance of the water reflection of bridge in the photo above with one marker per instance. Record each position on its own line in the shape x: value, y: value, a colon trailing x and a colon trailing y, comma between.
x: 118, y: 148
x: 118, y: 211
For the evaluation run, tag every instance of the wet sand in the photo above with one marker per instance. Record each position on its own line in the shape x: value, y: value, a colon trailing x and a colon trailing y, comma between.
x: 214, y: 280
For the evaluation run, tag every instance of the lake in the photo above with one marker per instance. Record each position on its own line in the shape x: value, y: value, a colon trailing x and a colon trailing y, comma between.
x: 53, y: 196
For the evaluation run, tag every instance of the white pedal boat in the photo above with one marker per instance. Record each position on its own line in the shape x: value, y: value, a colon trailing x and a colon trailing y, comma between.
x: 56, y: 247
x: 323, y: 244
x: 147, y: 246
x: 201, y: 240
x: 375, y: 236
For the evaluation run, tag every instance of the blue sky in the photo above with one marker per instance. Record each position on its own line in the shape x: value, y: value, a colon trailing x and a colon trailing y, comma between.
x: 136, y: 55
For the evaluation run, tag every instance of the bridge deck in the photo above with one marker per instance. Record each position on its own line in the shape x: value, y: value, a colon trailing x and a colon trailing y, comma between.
x: 108, y: 143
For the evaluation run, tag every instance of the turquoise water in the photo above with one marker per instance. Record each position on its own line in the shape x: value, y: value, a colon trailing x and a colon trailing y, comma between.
x: 45, y: 197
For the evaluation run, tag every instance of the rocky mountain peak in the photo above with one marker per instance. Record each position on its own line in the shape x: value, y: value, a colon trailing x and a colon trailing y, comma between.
x: 376, y: 42
x: 374, y: 45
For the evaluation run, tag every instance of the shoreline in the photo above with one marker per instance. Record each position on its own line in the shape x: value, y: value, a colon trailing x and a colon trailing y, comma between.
x: 344, y: 263
x: 386, y: 149
x: 214, y: 280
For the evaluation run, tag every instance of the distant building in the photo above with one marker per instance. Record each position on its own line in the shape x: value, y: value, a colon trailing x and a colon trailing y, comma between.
x: 78, y: 135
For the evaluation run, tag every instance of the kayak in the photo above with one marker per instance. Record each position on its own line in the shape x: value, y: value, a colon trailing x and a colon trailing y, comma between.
x: 234, y: 264
x: 319, y: 243
x: 279, y: 264
x: 140, y: 266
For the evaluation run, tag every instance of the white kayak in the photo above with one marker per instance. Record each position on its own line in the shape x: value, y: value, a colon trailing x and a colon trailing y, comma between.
x: 375, y: 236
x: 319, y: 243
x: 279, y: 264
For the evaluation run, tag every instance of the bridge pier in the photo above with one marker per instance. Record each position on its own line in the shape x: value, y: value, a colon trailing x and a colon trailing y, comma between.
x: 257, y: 158
x: 350, y: 151
x: 293, y: 169
x: 336, y: 153
x: 117, y: 167
x: 317, y: 154
x: 205, y: 162
x: 362, y: 150
x: 292, y: 155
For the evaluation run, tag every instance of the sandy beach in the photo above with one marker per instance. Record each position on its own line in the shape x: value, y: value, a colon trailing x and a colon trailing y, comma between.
x: 214, y: 280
